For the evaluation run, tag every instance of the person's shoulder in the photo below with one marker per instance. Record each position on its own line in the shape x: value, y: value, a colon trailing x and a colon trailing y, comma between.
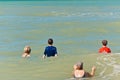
x: 54, y: 47
x: 108, y: 48
x: 46, y: 46
x: 50, y: 47
x: 100, y: 48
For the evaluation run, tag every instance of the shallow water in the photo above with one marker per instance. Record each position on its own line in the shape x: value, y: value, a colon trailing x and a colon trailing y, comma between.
x: 60, y: 68
x: 77, y: 28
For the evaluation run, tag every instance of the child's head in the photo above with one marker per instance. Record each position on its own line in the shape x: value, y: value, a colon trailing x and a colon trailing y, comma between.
x: 104, y: 42
x: 80, y: 65
x: 50, y: 41
x: 27, y: 49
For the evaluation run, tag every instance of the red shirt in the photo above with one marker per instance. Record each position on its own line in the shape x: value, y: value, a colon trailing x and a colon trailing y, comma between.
x: 104, y: 49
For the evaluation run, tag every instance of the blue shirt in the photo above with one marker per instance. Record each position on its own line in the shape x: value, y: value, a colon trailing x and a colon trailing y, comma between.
x: 50, y: 51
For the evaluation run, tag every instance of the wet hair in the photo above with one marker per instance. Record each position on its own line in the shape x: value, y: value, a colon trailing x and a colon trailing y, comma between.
x: 80, y: 65
x: 27, y: 49
x: 104, y: 42
x: 50, y: 41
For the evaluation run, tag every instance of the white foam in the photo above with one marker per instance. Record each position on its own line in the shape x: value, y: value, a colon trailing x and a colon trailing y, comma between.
x: 100, y: 64
x: 101, y: 73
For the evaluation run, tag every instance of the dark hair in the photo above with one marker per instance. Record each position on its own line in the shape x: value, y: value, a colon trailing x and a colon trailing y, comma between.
x: 50, y: 41
x: 80, y: 65
x: 104, y: 42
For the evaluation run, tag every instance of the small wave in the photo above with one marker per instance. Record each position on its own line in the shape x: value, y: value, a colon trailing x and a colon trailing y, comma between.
x: 101, y: 73
x: 86, y: 14
x: 100, y: 64
x: 110, y: 65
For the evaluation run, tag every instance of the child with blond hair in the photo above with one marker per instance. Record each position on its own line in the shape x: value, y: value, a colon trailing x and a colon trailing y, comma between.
x: 27, y: 51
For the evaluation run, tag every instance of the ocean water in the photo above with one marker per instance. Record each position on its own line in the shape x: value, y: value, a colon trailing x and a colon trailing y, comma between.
x: 77, y: 27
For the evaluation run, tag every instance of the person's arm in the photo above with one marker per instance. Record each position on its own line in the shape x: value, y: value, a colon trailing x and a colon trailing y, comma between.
x: 24, y: 55
x: 43, y: 57
x: 56, y: 54
x: 92, y: 72
x: 109, y: 51
x: 74, y: 68
x: 100, y: 50
x: 44, y: 54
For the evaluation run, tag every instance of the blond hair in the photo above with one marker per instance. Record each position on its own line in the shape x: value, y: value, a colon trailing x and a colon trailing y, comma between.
x: 27, y: 49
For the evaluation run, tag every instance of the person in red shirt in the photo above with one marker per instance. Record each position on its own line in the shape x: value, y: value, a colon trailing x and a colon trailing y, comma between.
x: 104, y: 48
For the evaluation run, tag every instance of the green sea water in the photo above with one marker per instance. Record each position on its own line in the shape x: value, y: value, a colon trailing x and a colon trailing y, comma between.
x: 77, y: 27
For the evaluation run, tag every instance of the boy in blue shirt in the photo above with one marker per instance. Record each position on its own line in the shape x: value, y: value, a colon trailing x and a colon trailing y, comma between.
x: 50, y: 50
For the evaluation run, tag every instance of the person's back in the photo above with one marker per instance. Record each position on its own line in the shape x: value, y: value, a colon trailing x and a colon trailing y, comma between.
x: 50, y: 50
x: 104, y: 48
x: 80, y: 73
